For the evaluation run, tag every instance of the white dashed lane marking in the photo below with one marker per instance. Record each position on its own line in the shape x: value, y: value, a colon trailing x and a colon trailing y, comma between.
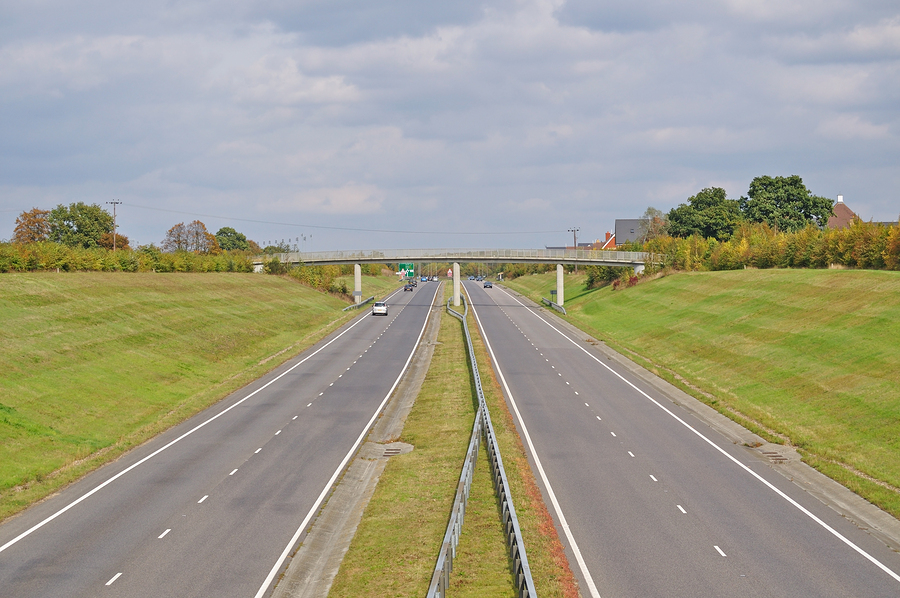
x: 205, y: 496
x: 163, y: 535
x: 114, y: 578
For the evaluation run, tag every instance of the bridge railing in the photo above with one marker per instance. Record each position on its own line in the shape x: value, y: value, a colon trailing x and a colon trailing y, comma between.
x: 462, y: 255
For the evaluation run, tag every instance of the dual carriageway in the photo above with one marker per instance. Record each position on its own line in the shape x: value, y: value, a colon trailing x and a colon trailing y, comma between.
x: 649, y: 498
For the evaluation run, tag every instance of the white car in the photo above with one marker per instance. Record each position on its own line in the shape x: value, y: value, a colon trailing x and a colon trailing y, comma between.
x: 380, y: 309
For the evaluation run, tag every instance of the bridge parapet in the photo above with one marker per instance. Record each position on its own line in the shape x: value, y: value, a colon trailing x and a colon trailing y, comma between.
x: 497, y: 256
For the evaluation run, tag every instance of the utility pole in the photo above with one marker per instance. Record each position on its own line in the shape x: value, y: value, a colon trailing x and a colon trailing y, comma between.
x: 574, y: 230
x: 114, y: 203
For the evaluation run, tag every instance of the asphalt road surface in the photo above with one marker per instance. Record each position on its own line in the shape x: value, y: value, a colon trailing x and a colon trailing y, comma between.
x: 650, y: 500
x: 213, y: 506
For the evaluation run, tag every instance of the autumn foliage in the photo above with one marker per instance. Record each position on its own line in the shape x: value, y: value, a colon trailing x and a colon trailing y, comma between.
x: 32, y: 226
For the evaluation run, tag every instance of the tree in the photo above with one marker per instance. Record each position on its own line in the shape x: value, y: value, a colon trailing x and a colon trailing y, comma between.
x: 230, y: 240
x: 79, y: 224
x: 32, y: 226
x: 785, y: 203
x: 656, y: 224
x: 193, y: 237
x: 106, y: 240
x: 708, y: 214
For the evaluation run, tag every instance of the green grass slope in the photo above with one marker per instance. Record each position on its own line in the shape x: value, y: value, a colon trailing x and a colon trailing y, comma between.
x: 96, y: 363
x: 808, y: 356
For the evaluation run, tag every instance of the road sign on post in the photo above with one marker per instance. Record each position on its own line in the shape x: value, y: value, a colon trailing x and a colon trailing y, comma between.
x: 407, y: 270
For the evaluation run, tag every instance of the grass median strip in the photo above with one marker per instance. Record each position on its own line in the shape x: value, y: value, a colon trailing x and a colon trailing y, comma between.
x: 396, y: 544
x: 546, y: 556
x: 807, y: 357
x: 96, y: 363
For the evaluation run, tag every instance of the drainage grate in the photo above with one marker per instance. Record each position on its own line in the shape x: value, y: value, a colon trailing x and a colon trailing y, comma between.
x: 391, y: 452
x: 775, y: 457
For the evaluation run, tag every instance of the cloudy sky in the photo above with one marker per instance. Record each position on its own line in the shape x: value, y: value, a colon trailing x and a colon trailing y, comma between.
x: 495, y: 123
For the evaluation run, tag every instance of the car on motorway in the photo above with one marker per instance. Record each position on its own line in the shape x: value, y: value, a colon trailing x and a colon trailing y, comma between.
x: 407, y: 287
x: 479, y: 278
x: 471, y: 278
x: 424, y: 279
x: 380, y: 309
x: 488, y: 284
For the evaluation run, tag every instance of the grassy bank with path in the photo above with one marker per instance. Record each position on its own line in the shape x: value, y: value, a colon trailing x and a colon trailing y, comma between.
x: 96, y: 363
x: 807, y: 357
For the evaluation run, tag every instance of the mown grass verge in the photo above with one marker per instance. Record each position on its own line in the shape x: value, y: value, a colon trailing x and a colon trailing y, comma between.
x: 809, y: 357
x: 96, y: 363
x: 396, y: 544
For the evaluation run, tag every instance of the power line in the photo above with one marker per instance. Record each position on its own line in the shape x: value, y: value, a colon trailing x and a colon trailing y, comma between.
x: 344, y: 228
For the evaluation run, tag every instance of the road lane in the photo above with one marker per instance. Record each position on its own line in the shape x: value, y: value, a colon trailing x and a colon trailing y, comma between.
x: 232, y: 492
x: 657, y: 508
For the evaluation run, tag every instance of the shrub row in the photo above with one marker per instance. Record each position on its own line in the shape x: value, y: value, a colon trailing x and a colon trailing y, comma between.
x: 32, y: 257
x: 861, y: 245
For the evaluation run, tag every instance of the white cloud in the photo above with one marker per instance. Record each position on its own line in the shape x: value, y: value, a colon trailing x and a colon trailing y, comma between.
x: 851, y: 126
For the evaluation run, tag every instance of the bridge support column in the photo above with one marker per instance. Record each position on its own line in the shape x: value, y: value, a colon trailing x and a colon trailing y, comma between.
x: 639, y: 269
x: 560, y: 293
x: 455, y: 284
x: 357, y: 284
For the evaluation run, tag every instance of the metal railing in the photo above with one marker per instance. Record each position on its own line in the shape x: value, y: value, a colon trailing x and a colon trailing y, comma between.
x: 563, y: 256
x: 360, y: 304
x: 555, y: 306
x: 440, y: 580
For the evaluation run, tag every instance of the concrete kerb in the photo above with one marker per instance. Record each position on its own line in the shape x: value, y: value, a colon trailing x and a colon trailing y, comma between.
x: 781, y: 458
x: 313, y: 567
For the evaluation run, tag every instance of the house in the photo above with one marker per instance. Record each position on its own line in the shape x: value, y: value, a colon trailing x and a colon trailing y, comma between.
x: 630, y: 229
x: 843, y: 216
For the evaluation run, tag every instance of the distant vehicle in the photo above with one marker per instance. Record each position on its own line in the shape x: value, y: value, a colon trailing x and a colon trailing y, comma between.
x: 488, y: 284
x: 407, y: 287
x: 380, y: 309
x: 424, y: 279
x: 471, y: 278
x: 479, y: 278
x: 434, y: 279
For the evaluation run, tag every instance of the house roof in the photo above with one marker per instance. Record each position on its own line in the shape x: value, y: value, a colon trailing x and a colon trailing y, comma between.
x: 843, y: 216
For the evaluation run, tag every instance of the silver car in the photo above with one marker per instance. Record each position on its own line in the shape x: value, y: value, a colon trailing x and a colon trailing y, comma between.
x: 380, y: 309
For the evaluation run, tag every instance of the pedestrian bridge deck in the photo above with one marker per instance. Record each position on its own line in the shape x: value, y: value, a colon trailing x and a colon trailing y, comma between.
x: 494, y: 256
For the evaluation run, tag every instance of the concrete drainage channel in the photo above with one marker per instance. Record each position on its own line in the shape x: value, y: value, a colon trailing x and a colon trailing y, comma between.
x: 440, y: 580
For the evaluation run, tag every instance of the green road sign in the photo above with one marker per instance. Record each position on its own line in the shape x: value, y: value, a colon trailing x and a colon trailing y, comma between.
x: 408, y: 270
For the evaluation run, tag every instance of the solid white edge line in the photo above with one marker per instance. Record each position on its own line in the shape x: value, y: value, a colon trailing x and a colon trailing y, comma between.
x: 287, y: 550
x: 537, y: 461
x: 771, y: 486
x: 37, y: 526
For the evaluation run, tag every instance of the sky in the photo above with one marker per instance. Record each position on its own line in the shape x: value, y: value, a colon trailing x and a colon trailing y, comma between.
x: 337, y: 124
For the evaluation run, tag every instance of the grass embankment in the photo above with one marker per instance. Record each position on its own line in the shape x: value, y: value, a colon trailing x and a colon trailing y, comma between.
x: 96, y: 363
x: 377, y: 286
x: 809, y: 357
x: 396, y: 544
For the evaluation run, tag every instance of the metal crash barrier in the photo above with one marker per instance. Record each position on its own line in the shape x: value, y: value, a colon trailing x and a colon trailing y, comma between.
x: 440, y: 580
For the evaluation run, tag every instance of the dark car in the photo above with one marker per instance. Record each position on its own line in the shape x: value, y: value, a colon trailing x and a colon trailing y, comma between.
x: 488, y: 284
x: 407, y: 287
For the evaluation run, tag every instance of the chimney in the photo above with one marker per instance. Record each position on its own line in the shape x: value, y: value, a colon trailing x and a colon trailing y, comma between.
x: 608, y: 235
x: 840, y: 199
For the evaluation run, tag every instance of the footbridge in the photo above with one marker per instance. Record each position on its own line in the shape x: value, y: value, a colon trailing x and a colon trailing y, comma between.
x: 560, y: 257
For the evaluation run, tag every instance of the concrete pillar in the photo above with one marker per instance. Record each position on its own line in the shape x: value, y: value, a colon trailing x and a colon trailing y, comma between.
x: 357, y: 284
x: 639, y: 269
x: 455, y: 284
x: 560, y: 295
